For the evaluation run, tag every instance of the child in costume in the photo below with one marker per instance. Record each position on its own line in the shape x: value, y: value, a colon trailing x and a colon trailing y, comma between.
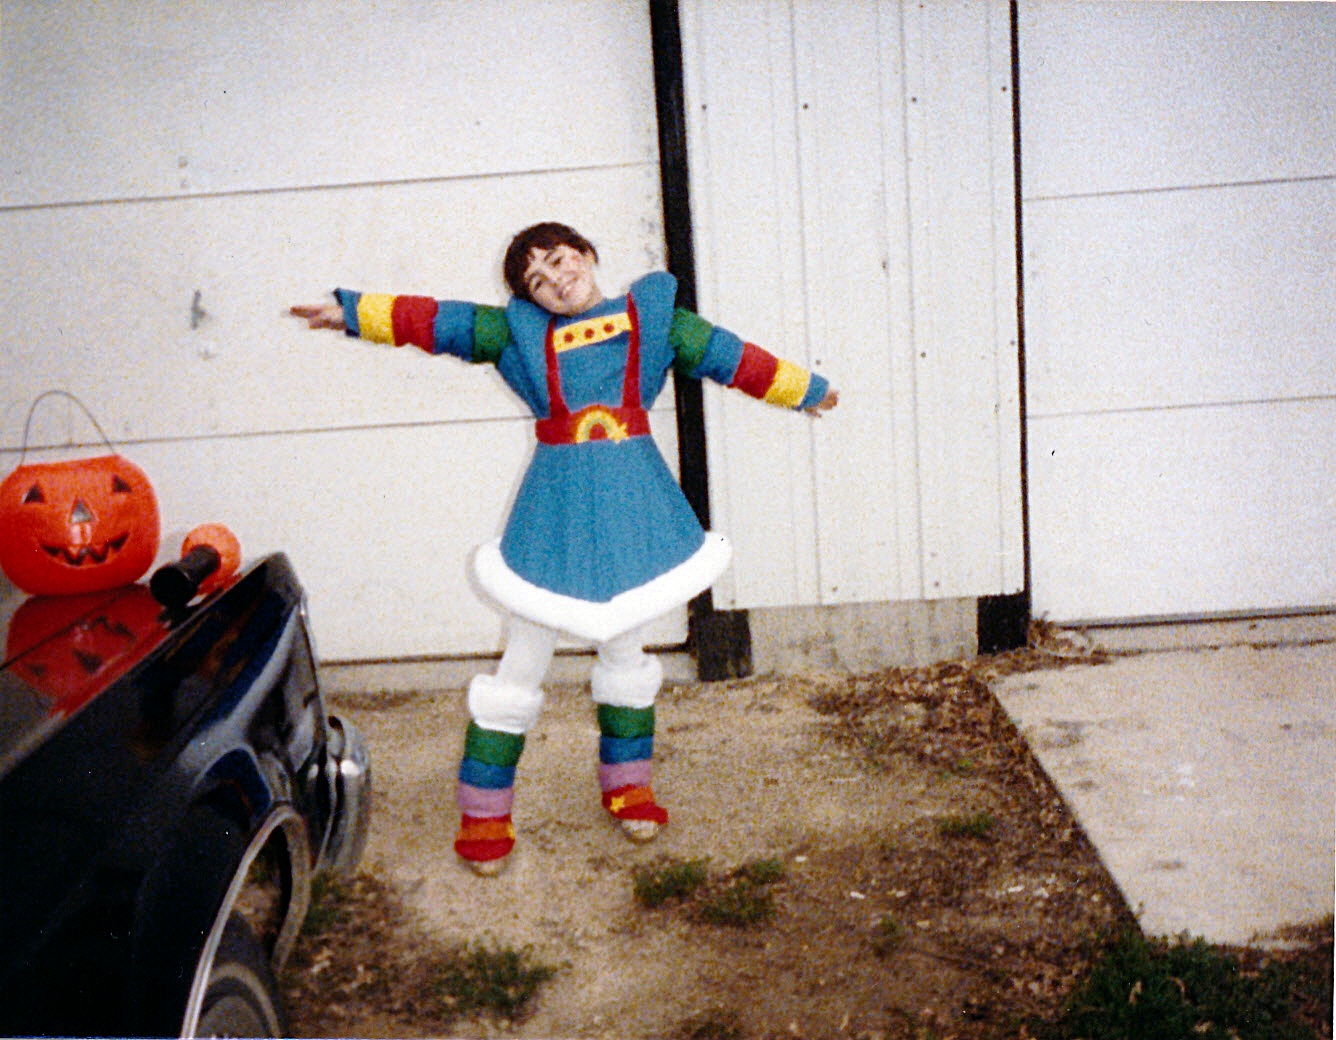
x: 600, y: 540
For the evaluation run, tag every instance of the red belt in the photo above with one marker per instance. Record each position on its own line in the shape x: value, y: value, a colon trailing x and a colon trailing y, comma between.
x: 597, y: 422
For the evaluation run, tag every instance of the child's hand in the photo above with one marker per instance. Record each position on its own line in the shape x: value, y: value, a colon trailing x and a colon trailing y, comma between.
x: 319, y: 315
x: 826, y: 403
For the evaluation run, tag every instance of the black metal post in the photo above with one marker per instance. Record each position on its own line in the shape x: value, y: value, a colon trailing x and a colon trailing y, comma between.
x: 721, y: 640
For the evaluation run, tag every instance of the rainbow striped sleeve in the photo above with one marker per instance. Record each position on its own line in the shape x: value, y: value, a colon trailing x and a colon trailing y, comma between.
x: 466, y: 330
x: 705, y: 351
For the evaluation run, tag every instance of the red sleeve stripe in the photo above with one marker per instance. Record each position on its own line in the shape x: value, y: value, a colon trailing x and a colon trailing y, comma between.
x: 413, y: 318
x: 756, y: 371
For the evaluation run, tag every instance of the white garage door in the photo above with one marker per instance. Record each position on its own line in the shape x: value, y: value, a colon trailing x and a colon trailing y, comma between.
x: 1179, y: 229
x: 173, y: 175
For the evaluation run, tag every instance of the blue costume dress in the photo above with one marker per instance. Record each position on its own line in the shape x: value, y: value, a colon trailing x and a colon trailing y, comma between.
x: 600, y: 539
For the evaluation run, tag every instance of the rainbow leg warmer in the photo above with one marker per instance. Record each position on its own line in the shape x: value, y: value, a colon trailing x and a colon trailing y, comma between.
x: 486, y: 793
x: 625, y: 752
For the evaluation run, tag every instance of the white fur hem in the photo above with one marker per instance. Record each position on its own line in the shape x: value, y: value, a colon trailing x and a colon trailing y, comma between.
x: 593, y: 622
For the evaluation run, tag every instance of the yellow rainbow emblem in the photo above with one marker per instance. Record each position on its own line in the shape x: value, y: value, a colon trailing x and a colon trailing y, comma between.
x: 596, y: 424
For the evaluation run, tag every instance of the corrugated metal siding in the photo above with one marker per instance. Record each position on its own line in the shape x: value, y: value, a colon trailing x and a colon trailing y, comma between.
x: 261, y: 153
x: 853, y: 201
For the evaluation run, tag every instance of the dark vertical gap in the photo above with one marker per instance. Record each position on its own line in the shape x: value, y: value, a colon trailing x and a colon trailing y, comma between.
x: 1004, y: 621
x: 720, y: 640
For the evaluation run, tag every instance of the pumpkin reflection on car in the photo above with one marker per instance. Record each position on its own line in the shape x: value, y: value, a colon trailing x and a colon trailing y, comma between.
x: 67, y: 648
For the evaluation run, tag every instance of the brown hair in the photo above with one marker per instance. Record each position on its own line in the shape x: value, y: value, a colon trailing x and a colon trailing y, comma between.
x: 542, y: 237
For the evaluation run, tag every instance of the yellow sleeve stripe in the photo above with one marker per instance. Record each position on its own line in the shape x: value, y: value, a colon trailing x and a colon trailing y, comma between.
x: 375, y: 317
x: 789, y: 386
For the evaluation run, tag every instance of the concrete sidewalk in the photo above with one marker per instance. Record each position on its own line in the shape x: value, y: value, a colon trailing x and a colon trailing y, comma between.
x: 1205, y: 777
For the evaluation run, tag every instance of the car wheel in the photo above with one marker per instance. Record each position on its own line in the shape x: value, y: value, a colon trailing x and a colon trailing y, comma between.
x: 242, y: 996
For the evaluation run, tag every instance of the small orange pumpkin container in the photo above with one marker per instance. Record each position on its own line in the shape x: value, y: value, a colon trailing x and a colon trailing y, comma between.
x: 77, y: 525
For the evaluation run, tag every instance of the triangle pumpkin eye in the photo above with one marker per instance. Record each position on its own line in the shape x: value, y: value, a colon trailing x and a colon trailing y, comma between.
x: 34, y: 496
x: 119, y: 486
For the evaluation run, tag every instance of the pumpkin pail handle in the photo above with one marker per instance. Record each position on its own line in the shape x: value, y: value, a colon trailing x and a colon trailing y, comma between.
x: 83, y: 407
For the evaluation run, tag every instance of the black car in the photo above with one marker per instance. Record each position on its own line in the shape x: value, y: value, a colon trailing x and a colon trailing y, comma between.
x: 170, y: 786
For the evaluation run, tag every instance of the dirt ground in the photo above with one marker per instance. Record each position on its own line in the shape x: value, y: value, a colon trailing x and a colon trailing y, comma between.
x: 934, y: 884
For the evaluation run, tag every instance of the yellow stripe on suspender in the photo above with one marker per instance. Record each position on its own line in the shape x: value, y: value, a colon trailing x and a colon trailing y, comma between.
x: 590, y: 331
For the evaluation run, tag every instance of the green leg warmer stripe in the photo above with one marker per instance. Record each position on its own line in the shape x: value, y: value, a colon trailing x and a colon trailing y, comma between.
x: 492, y: 746
x: 625, y: 723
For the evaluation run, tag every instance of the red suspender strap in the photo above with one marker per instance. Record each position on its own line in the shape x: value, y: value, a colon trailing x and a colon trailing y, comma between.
x: 596, y: 422
x: 556, y: 403
x: 631, y: 381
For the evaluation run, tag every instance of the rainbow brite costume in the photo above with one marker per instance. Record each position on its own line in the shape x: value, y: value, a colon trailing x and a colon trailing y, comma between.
x: 600, y: 539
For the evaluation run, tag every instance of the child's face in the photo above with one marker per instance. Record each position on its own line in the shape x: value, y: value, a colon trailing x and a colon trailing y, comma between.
x: 561, y: 280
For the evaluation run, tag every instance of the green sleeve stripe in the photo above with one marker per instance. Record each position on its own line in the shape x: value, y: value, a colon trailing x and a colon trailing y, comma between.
x: 625, y: 723
x: 492, y: 746
x: 491, y: 334
x: 689, y: 337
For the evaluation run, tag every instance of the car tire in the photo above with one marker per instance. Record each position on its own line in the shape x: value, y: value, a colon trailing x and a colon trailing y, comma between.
x: 241, y: 998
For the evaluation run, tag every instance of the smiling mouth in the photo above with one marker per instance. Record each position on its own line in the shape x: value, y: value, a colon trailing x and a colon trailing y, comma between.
x: 86, y: 554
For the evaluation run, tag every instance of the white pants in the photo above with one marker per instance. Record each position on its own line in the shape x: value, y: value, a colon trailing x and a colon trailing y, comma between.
x: 510, y: 699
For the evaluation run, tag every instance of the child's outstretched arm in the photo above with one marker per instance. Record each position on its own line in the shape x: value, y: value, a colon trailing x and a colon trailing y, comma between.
x: 470, y: 331
x: 706, y: 351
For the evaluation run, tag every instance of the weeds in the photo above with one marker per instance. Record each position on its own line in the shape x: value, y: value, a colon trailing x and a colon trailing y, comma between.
x: 361, y: 947
x: 977, y: 826
x: 739, y: 899
x: 656, y: 884
x: 739, y: 904
x: 763, y: 871
x: 497, y: 981
x: 1156, y: 989
x: 331, y: 903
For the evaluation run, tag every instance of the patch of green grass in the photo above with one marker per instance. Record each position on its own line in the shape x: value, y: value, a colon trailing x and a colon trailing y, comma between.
x: 360, y: 939
x: 491, y: 980
x: 330, y: 907
x: 657, y: 883
x: 1144, y: 989
x: 739, y: 904
x: 739, y: 899
x: 763, y: 871
x: 977, y: 826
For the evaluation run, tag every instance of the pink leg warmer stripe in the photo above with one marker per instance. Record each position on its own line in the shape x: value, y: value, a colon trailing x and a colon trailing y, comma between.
x: 624, y: 774
x: 480, y: 801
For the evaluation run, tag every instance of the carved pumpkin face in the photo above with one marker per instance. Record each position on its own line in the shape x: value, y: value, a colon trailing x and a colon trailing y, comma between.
x: 81, y: 525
